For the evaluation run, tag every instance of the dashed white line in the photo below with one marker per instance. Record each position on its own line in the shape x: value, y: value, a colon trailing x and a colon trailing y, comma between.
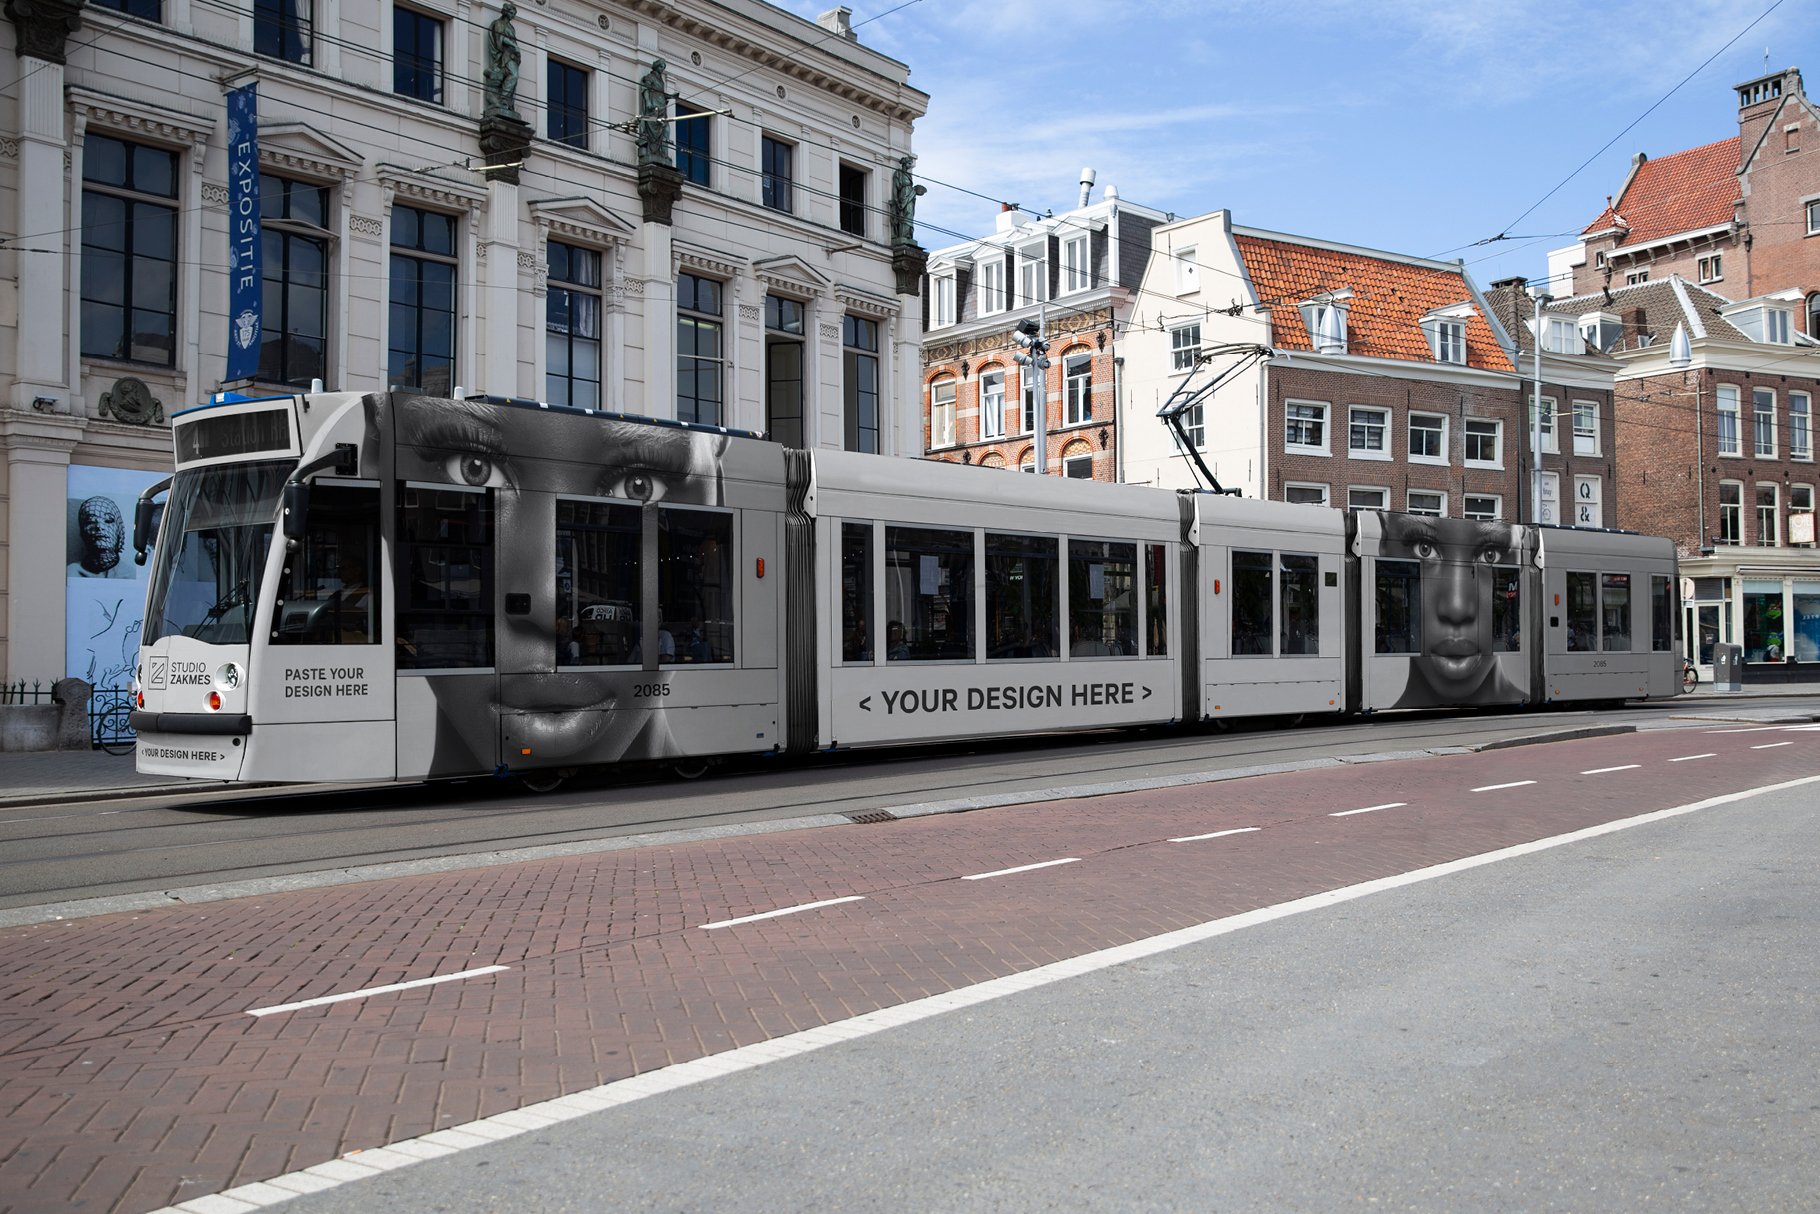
x: 788, y: 910
x: 374, y: 990
x: 1690, y: 758
x: 1022, y: 868
x: 1599, y: 771
x: 1771, y: 745
x: 1496, y: 787
x: 1218, y: 834
x: 1369, y: 809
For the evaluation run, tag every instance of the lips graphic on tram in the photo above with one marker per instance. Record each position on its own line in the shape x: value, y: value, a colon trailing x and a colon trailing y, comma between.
x: 572, y: 716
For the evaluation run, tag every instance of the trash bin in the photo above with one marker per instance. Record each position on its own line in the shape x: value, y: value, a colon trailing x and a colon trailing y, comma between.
x: 1728, y: 668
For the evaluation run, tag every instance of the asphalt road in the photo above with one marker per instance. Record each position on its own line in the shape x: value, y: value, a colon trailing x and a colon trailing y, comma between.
x: 56, y: 854
x: 1618, y: 1024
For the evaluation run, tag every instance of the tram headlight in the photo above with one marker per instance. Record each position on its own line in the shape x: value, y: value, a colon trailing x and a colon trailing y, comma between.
x: 228, y: 677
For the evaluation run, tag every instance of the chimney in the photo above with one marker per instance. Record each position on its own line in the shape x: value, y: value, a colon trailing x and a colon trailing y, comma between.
x: 1760, y: 100
x: 1087, y: 178
x: 839, y: 21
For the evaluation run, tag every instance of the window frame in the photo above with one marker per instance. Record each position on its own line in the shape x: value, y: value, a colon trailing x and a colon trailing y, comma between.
x: 1589, y: 500
x: 852, y: 185
x: 694, y: 154
x: 1801, y: 426
x: 1481, y: 515
x: 275, y: 19
x: 574, y: 128
x: 777, y: 173
x: 1439, y: 431
x: 1325, y: 491
x: 1770, y: 537
x: 574, y: 287
x: 1728, y: 405
x: 1184, y: 355
x: 1497, y: 442
x: 943, y: 296
x: 134, y: 202
x: 694, y: 318
x: 1551, y: 433
x: 1710, y: 268
x: 1291, y: 423
x: 1187, y: 271
x: 1357, y: 425
x: 1763, y: 422
x: 1586, y: 438
x: 1076, y: 264
x: 422, y: 256
x: 1382, y: 492
x: 416, y: 67
x: 860, y: 353
x: 1077, y: 389
x: 1433, y: 506
x: 787, y: 407
x: 943, y: 393
x: 992, y: 419
x: 1731, y: 515
x: 290, y: 232
x: 989, y: 294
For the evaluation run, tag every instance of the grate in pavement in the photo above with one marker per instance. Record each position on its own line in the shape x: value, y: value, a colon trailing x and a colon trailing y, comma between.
x: 869, y: 816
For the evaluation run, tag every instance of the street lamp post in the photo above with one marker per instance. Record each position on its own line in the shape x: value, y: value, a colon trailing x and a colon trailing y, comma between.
x: 1535, y: 418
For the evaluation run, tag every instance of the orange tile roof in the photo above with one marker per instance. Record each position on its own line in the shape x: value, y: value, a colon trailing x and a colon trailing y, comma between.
x: 1693, y: 189
x: 1389, y: 299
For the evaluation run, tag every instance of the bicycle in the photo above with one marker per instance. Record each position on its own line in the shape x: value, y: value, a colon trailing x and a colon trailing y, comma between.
x: 1690, y: 675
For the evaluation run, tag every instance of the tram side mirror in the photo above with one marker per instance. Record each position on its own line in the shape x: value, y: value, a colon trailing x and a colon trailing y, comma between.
x: 145, y: 529
x: 296, y: 509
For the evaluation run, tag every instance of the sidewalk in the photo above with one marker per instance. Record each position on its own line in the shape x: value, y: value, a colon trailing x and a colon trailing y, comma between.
x: 39, y: 777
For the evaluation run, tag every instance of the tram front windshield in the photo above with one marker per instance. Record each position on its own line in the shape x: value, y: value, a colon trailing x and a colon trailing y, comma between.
x: 211, y: 550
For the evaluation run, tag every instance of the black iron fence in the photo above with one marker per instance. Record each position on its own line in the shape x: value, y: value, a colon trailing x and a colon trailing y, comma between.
x: 18, y: 693
x: 110, y: 720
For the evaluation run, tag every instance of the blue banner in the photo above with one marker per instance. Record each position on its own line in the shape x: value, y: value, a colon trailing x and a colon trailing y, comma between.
x: 245, y: 290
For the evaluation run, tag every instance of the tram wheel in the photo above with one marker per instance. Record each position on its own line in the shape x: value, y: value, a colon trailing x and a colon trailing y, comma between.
x: 691, y: 769
x: 544, y: 781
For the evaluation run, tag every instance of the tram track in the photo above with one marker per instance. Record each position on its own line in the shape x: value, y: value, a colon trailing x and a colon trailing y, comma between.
x: 68, y: 864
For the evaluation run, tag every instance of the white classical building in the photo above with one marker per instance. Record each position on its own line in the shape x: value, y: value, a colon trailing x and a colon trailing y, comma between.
x: 447, y: 202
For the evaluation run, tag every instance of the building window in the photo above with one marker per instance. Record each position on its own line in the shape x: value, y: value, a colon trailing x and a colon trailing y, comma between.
x: 1550, y: 443
x: 692, y: 134
x: 1813, y: 218
x: 784, y: 351
x: 1362, y: 497
x: 1187, y: 272
x: 700, y: 357
x: 1077, y: 388
x: 1800, y: 426
x: 1728, y: 420
x: 572, y: 371
x: 1078, y: 466
x: 1548, y: 508
x: 1031, y: 286
x: 1801, y: 514
x: 1769, y: 534
x: 989, y: 286
x: 281, y: 29
x: 129, y: 251
x: 295, y: 236
x: 1562, y: 336
x: 1776, y: 326
x: 1636, y: 276
x: 1308, y: 495
x: 422, y: 318
x: 1184, y: 347
x: 568, y: 108
x: 1712, y: 268
x: 1586, y: 427
x: 992, y: 404
x: 1485, y: 508
x: 1763, y: 421
x: 1077, y: 264
x: 1589, y: 510
x: 150, y: 10
x: 1428, y: 438
x: 1484, y: 443
x: 859, y: 341
x: 416, y: 55
x: 1305, y: 427
x: 1427, y: 501
x: 1447, y: 340
x: 941, y: 413
x: 1813, y: 315
x: 776, y: 173
x: 1367, y: 437
x: 853, y: 199
x: 941, y: 301
x: 1731, y: 512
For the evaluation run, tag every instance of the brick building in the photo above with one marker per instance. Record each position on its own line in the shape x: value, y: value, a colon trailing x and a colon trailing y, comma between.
x: 1741, y: 215
x: 1076, y: 272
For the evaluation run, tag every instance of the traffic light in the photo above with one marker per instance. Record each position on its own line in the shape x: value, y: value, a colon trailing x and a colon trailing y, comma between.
x: 1030, y: 337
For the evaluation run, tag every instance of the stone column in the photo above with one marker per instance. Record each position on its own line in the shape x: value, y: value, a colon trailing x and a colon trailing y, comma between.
x: 40, y: 353
x: 656, y: 282
x: 902, y: 432
x: 37, y: 486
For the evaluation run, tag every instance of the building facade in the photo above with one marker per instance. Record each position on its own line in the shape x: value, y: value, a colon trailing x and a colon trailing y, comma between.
x: 684, y: 210
x: 1740, y: 215
x: 1075, y: 274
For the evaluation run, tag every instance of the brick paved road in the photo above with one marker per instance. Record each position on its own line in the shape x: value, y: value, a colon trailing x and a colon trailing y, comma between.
x: 134, y: 1077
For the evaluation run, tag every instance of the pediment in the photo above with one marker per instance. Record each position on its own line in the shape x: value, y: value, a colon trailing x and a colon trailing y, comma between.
x: 792, y: 273
x: 582, y: 218
x: 297, y: 145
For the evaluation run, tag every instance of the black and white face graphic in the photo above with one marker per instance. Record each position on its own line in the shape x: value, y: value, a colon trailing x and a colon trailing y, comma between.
x: 530, y: 458
x: 1459, y: 560
x: 102, y: 533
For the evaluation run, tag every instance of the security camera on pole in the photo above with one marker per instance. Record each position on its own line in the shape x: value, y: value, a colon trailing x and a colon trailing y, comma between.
x: 1035, y: 361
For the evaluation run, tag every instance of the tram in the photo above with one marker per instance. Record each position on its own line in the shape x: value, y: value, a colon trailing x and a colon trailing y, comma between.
x: 392, y: 586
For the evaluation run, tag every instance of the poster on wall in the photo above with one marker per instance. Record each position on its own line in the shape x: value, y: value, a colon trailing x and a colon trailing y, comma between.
x: 105, y: 589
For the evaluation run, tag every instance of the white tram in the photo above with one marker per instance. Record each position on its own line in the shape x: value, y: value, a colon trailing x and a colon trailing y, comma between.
x: 392, y: 586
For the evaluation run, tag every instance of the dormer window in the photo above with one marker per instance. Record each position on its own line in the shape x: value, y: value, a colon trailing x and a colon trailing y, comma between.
x: 1326, y: 321
x: 1602, y: 331
x: 1032, y: 276
x: 1561, y: 336
x: 1446, y: 332
x: 1762, y: 321
x: 990, y: 283
x: 941, y: 300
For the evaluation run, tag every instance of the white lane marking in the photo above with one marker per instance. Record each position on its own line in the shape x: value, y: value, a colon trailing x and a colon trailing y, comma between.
x: 374, y: 990
x: 375, y: 1162
x: 1770, y: 745
x: 1599, y: 771
x: 1496, y: 787
x: 1022, y: 868
x: 1369, y: 809
x: 1749, y: 729
x: 1690, y: 758
x: 788, y: 910
x: 1218, y: 834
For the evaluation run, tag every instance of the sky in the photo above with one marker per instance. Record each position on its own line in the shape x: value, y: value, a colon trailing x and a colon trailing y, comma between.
x: 1401, y: 125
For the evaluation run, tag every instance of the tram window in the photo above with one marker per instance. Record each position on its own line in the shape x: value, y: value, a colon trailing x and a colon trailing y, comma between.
x: 694, y: 586
x: 1301, y: 596
x: 1253, y: 606
x: 1614, y: 612
x: 1506, y: 609
x: 1102, y: 598
x: 1661, y: 614
x: 928, y: 594
x: 328, y: 594
x: 1399, y: 607
x: 597, y: 583
x: 1156, y: 580
x: 445, y: 578
x: 856, y: 592
x: 1023, y: 595
x: 1582, y: 613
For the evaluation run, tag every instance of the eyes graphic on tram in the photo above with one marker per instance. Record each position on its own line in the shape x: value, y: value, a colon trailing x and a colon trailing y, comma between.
x: 638, y: 485
x: 480, y: 471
